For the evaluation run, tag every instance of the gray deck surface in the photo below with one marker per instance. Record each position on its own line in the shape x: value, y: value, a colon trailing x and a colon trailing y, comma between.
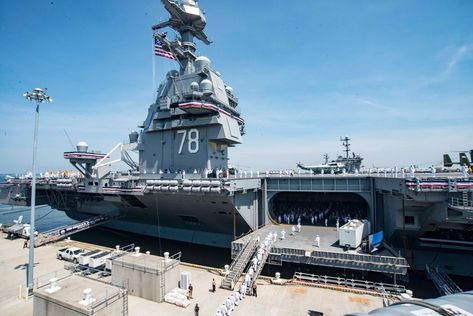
x: 305, y: 240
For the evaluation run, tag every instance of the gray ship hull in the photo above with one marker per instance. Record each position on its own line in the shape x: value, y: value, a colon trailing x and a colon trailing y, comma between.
x: 202, y: 219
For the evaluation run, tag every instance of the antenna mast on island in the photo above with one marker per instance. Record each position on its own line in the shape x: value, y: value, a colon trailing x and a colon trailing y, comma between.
x: 346, y: 143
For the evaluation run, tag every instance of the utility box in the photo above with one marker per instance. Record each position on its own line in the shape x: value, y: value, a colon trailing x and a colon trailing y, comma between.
x: 75, y: 296
x: 146, y: 276
x: 352, y: 233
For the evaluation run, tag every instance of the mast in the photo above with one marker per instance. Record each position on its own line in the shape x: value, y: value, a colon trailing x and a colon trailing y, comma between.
x: 189, y: 21
x: 346, y: 143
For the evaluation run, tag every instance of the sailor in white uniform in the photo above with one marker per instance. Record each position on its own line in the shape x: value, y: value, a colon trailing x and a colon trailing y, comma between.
x: 464, y: 171
x: 412, y: 171
x: 283, y: 234
x: 293, y: 230
x: 237, y: 298
x: 255, y: 261
x: 251, y: 272
x: 247, y: 279
x: 228, y: 304
x: 433, y: 172
x: 243, y: 290
x: 224, y: 310
x: 317, y: 241
x: 298, y: 227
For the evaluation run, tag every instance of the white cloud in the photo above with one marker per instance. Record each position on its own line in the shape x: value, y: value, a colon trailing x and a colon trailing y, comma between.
x: 458, y: 56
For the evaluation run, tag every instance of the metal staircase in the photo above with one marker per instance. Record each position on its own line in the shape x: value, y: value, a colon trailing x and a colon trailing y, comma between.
x: 465, y: 199
x: 239, y: 264
x: 442, y: 281
x: 258, y: 270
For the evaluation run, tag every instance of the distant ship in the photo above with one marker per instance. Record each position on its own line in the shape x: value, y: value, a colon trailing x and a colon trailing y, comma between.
x: 351, y: 163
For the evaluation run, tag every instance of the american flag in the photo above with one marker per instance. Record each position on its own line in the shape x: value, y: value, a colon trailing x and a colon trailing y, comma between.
x: 160, y: 50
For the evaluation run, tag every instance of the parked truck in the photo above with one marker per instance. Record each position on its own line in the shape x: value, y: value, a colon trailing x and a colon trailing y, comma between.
x: 71, y: 254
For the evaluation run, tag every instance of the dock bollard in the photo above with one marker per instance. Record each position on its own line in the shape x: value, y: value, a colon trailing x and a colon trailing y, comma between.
x: 277, y: 279
x: 137, y: 251
x: 166, y: 257
x: 88, y: 298
x: 53, y: 287
x: 226, y: 270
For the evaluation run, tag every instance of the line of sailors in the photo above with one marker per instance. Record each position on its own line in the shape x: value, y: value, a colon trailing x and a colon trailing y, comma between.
x: 319, y: 216
x: 234, y: 299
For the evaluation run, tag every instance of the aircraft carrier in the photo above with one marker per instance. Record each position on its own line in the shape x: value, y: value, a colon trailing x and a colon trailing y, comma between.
x: 182, y: 187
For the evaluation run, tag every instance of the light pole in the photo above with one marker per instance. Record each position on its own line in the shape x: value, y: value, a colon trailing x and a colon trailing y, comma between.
x: 39, y: 96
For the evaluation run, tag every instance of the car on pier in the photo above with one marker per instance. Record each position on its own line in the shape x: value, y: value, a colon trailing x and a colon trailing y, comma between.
x: 71, y: 254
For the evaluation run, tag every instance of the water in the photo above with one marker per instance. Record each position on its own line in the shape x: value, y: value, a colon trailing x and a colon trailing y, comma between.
x: 46, y: 217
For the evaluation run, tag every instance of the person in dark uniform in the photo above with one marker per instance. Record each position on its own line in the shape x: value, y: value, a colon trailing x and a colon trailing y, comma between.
x: 214, y: 286
x: 190, y: 290
x: 196, y: 309
x: 255, y: 293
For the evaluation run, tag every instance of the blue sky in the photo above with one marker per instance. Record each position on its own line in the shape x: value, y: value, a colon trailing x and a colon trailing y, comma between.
x: 396, y: 76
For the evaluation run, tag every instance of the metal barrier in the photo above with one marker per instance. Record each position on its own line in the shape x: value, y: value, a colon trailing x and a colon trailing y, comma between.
x: 442, y: 281
x: 351, y: 283
x: 356, y: 261
x: 43, y: 280
x: 460, y: 202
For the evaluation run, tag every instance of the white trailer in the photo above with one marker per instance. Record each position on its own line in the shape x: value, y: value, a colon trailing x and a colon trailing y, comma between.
x: 85, y: 257
x: 352, y: 233
x: 99, y: 259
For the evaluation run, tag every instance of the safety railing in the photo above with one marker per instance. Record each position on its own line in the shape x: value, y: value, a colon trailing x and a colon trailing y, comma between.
x: 350, y: 283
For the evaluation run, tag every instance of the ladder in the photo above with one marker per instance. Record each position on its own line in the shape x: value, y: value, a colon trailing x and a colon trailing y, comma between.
x: 239, y: 264
x: 125, y: 304
x: 465, y: 199
x: 258, y: 270
x: 162, y: 282
x: 442, y: 281
x: 125, y: 298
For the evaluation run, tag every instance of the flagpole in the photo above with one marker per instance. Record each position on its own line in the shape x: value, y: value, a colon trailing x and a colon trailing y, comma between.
x: 154, y: 70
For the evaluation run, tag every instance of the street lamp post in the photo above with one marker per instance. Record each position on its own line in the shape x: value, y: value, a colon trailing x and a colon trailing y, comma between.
x: 39, y: 96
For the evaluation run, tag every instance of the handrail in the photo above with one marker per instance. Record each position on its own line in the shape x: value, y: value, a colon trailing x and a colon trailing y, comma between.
x: 351, y: 283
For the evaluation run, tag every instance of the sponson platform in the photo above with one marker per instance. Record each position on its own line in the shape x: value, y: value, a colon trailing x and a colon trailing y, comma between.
x: 301, y: 248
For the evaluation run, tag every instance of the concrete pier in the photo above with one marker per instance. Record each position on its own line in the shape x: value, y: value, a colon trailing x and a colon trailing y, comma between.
x: 274, y: 300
